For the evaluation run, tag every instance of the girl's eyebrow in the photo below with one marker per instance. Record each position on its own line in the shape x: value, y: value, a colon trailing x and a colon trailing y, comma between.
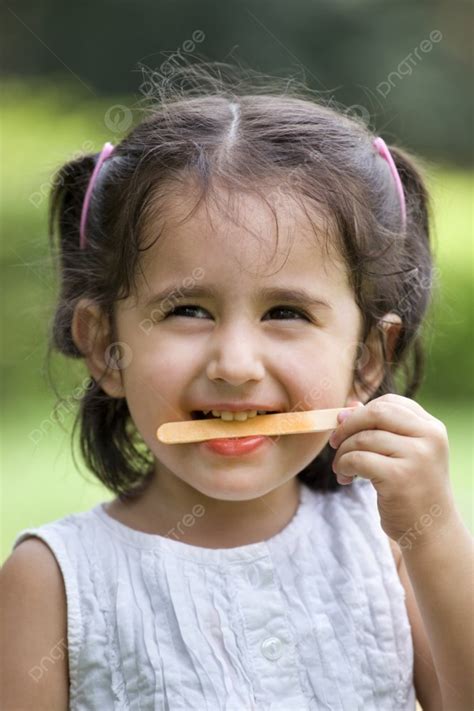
x: 293, y: 295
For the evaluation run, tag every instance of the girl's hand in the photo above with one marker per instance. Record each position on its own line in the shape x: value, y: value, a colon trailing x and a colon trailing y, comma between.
x: 404, y: 451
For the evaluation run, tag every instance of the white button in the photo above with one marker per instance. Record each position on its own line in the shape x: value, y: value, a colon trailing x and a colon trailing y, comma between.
x: 272, y: 648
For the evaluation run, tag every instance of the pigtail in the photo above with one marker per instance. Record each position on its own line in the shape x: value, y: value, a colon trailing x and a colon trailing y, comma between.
x: 108, y: 443
x: 66, y: 199
x: 416, y: 193
x: 415, y: 283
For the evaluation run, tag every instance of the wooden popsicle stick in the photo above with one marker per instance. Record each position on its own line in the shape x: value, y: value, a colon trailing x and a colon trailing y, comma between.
x: 281, y: 423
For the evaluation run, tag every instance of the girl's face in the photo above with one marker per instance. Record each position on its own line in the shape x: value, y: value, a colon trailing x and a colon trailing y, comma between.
x: 238, y: 342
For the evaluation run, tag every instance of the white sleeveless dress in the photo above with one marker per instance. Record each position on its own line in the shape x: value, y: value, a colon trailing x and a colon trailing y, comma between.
x: 313, y: 618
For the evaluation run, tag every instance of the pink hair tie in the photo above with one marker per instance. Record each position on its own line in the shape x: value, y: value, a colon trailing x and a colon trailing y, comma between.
x: 105, y: 152
x: 382, y: 149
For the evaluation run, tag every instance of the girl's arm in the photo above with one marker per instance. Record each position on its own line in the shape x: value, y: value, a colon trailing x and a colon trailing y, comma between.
x: 34, y: 666
x: 404, y: 451
x: 428, y: 693
x: 437, y: 574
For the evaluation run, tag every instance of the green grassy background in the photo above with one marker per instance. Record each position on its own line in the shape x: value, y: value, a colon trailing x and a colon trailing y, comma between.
x: 45, y: 126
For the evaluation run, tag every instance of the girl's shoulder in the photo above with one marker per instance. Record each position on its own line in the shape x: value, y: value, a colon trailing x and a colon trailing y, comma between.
x: 66, y: 536
x: 41, y: 584
x: 34, y: 621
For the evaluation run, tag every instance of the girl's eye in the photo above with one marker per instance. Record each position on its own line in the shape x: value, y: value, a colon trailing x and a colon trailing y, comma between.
x: 289, y: 310
x: 174, y: 312
x: 281, y: 309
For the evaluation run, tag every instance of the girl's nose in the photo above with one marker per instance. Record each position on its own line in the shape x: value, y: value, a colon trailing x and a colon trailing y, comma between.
x: 235, y: 359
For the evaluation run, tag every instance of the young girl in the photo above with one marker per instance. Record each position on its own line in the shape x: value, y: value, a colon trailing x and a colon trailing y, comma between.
x: 239, y: 253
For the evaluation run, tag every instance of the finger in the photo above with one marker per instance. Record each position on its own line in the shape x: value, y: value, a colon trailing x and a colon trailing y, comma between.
x: 380, y: 415
x: 366, y: 465
x: 398, y: 399
x: 378, y: 441
x: 405, y: 402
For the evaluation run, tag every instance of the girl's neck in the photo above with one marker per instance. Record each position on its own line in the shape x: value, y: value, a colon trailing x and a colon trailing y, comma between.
x: 171, y: 508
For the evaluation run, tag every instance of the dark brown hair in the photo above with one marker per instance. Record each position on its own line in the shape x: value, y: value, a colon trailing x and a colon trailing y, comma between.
x: 244, y: 134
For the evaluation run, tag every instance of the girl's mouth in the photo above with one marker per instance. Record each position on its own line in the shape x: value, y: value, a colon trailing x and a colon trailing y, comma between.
x: 232, y: 446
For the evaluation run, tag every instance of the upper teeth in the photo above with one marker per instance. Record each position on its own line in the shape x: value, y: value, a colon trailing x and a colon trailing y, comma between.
x: 241, y: 416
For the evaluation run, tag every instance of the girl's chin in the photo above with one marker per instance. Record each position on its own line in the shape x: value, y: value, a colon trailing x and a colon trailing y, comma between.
x: 235, y: 485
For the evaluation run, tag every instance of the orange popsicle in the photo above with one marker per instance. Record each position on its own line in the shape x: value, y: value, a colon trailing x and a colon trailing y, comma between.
x: 281, y: 423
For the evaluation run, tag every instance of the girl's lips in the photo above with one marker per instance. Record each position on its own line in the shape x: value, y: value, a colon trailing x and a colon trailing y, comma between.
x: 235, y: 446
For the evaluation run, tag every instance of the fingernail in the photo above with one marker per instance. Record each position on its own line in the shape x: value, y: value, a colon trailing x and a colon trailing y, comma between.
x: 343, y: 415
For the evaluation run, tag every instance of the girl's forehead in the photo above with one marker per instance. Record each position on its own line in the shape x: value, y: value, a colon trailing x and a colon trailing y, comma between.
x: 242, y: 234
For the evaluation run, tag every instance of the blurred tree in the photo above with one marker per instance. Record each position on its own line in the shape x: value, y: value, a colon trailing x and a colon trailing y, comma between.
x: 346, y: 48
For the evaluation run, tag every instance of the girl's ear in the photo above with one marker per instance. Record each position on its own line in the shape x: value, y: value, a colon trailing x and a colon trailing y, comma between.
x: 91, y: 333
x: 371, y: 362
